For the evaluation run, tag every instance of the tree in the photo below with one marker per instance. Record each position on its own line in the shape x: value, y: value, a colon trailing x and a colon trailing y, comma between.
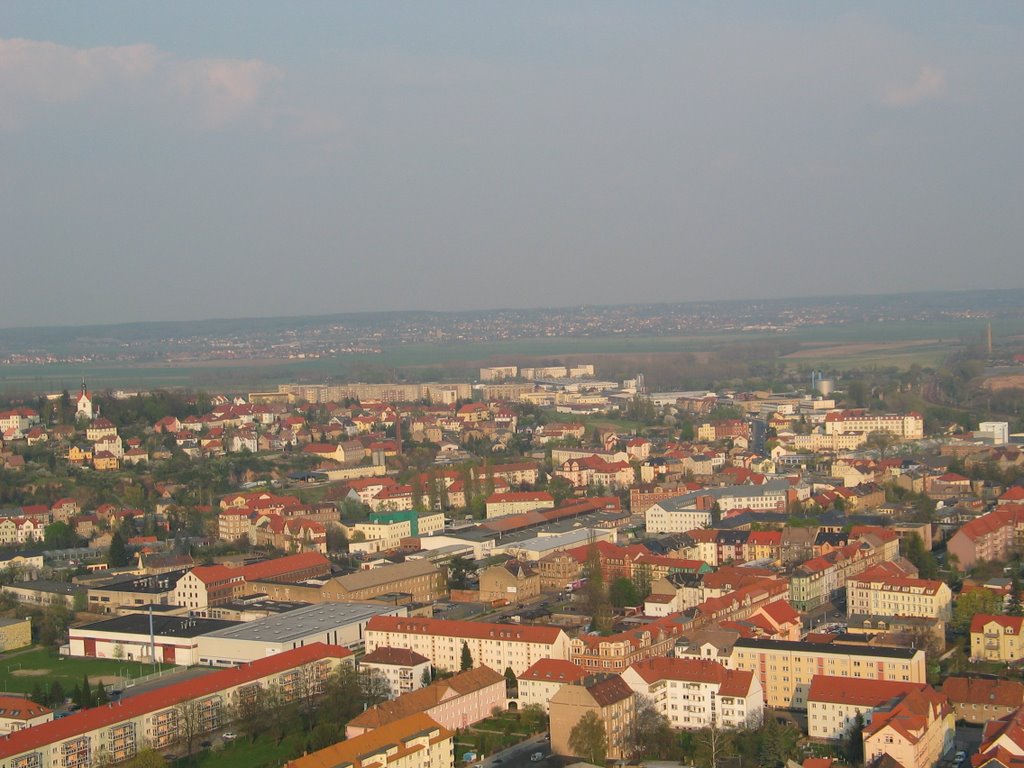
x: 427, y: 678
x: 533, y: 718
x: 59, y: 536
x: 459, y: 569
x: 969, y: 603
x: 770, y: 747
x: 853, y: 741
x: 642, y: 581
x: 118, y: 555
x: 190, y: 722
x: 467, y: 657
x: 623, y: 593
x: 56, y: 694
x: 374, y: 687
x: 511, y: 683
x: 880, y: 441
x: 251, y: 710
x: 923, y: 560
x: 587, y: 739
x: 101, y: 695
x: 652, y: 735
x: 85, y: 691
x: 598, y: 604
x: 1014, y: 606
x: 715, y: 742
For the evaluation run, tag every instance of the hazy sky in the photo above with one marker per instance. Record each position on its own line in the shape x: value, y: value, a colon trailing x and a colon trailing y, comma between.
x: 174, y: 160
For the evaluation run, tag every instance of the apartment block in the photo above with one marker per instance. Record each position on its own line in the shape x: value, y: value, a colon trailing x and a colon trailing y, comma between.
x: 455, y: 702
x: 416, y: 741
x: 786, y: 668
x: 833, y: 703
x: 698, y: 693
x: 609, y: 698
x: 914, y: 730
x: 993, y: 537
x: 543, y: 680
x: 154, y: 719
x: 403, y: 669
x: 876, y: 593
x: 498, y: 646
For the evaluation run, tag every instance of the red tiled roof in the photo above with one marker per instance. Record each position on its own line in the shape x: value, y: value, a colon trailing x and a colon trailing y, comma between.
x: 402, y: 657
x: 152, y: 701
x: 979, y: 620
x: 857, y: 691
x: 268, y: 569
x: 731, y: 682
x: 971, y: 690
x: 19, y: 708
x: 554, y: 670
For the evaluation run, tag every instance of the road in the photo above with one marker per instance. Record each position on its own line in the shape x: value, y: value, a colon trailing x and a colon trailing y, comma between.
x: 518, y: 755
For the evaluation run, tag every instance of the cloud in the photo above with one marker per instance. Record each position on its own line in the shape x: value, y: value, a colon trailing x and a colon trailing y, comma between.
x: 929, y: 84
x: 211, y: 91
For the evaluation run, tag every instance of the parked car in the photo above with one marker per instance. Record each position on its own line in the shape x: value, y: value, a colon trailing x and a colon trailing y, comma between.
x: 536, y: 757
x: 229, y: 736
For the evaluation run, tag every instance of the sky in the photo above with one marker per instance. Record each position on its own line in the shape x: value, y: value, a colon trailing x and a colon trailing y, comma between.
x: 196, y: 160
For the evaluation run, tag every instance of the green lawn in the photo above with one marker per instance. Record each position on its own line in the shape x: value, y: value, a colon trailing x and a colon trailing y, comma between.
x: 262, y: 753
x: 66, y: 669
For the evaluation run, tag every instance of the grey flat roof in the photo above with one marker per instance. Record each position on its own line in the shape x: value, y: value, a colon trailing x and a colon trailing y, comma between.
x: 303, y: 622
x: 792, y: 645
x: 163, y: 626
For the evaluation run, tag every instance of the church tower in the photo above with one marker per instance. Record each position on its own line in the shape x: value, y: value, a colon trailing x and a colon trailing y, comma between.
x: 84, y: 403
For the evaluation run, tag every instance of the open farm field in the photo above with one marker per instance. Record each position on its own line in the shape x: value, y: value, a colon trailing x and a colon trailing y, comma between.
x: 856, y: 344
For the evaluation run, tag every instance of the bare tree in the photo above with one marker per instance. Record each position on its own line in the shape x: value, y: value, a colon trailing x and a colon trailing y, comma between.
x: 374, y: 686
x: 190, y: 722
x: 716, y: 742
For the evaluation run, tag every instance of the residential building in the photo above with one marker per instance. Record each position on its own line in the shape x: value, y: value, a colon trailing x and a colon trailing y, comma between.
x: 978, y: 700
x: 513, y: 581
x: 543, y: 679
x: 993, y: 537
x: 915, y: 730
x: 785, y: 668
x: 212, y: 585
x: 152, y: 719
x: 997, y: 638
x: 455, y: 702
x: 517, y: 502
x: 909, y: 426
x: 876, y: 592
x: 609, y: 698
x: 403, y: 669
x: 20, y: 712
x: 416, y: 741
x: 698, y: 693
x: 498, y: 646
x: 833, y: 703
x: 695, y: 509
x: 1002, y: 743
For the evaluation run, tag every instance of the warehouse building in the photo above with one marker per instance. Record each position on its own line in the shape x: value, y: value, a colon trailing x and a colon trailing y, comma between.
x: 330, y: 623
